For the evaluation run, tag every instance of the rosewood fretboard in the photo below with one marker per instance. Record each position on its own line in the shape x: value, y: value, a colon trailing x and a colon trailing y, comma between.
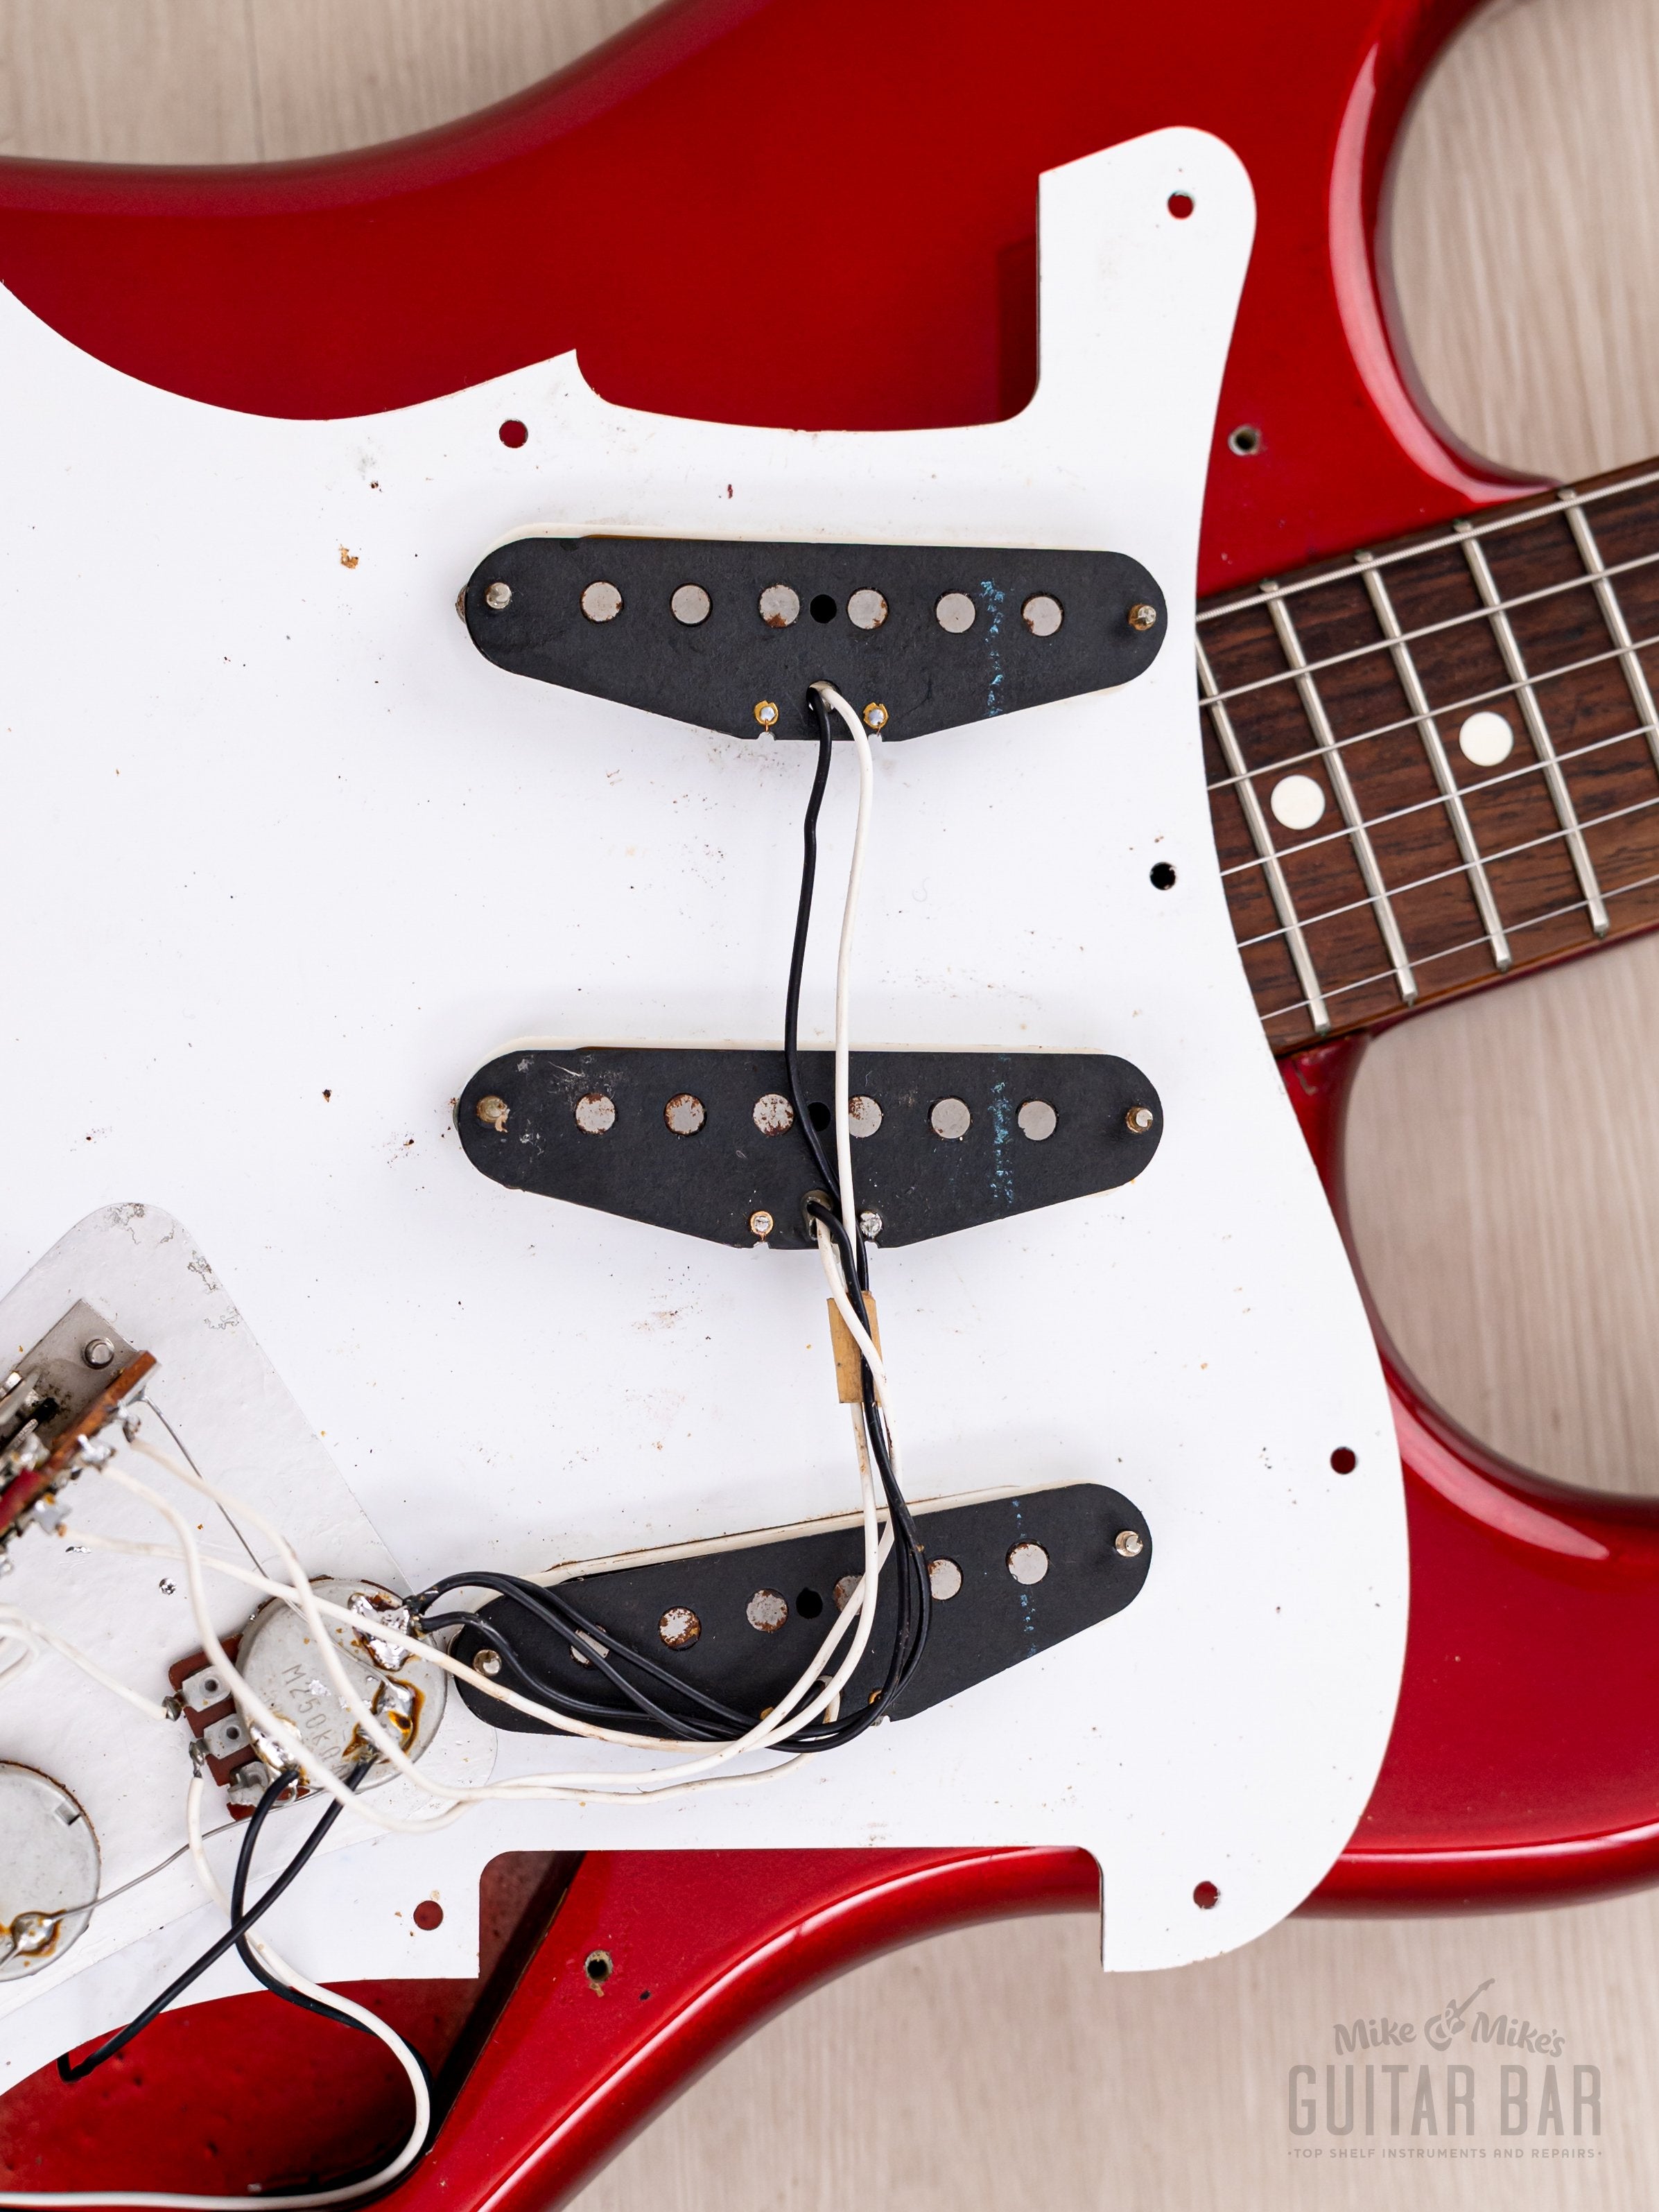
x: 1428, y: 872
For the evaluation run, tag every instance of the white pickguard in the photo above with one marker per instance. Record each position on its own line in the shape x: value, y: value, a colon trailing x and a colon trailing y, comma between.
x: 277, y: 831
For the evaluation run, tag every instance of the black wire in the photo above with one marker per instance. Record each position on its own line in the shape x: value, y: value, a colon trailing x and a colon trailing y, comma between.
x: 567, y: 1621
x: 808, y: 867
x: 709, y: 1720
x: 240, y: 1922
x: 245, y: 1951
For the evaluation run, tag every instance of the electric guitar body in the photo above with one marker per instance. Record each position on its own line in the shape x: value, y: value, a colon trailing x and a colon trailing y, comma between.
x: 305, y: 859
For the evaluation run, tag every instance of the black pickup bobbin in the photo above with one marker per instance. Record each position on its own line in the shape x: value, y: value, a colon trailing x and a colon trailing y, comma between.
x: 730, y: 636
x: 1010, y: 1577
x: 703, y: 1139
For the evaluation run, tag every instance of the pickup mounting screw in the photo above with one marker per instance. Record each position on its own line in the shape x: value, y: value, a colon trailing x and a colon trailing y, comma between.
x: 1143, y: 615
x: 875, y: 715
x: 760, y: 1224
x: 596, y: 1115
x: 493, y: 1113
x: 871, y: 1224
x: 1129, y: 1543
x: 684, y: 1115
x: 488, y: 1663
x: 766, y: 712
x: 98, y: 1352
x: 1138, y: 1121
x: 602, y: 602
x: 498, y: 597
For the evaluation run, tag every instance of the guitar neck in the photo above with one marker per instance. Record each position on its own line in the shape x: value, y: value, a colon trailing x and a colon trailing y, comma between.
x: 1437, y: 762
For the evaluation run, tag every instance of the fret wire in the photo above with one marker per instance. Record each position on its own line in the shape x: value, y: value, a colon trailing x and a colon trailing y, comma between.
x: 1412, y: 684
x: 1284, y: 905
x: 1336, y: 770
x: 1612, y: 613
x: 1496, y: 528
x: 1537, y: 728
x: 1450, y: 706
x: 1431, y: 630
x: 1422, y: 806
x: 1537, y: 921
x: 1440, y: 875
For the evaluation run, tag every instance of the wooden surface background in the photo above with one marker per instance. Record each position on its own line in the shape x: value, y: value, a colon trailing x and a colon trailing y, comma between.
x: 1504, y: 1166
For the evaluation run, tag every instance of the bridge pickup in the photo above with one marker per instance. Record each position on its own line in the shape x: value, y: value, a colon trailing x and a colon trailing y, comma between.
x: 703, y: 1139
x: 1010, y: 1576
x: 728, y: 635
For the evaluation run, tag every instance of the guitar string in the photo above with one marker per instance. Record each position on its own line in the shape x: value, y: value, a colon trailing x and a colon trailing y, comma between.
x: 1495, y: 526
x: 1478, y: 616
x: 1441, y: 875
x: 1468, y: 944
x: 1442, y: 711
x: 1508, y: 776
x: 1598, y: 580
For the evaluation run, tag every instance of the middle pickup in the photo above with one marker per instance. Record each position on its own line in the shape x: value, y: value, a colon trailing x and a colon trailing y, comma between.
x: 703, y: 1139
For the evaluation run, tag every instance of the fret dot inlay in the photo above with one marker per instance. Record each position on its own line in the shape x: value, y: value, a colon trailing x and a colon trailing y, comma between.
x: 1486, y: 739
x: 1297, y: 801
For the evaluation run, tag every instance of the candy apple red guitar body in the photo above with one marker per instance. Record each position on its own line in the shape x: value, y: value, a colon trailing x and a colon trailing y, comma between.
x: 706, y: 210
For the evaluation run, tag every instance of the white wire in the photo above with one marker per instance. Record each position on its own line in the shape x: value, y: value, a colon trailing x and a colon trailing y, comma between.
x: 290, y: 1975
x: 794, y: 1711
x: 48, y: 2200
x: 855, y: 730
x: 784, y: 1721
x: 815, y: 1692
x: 32, y: 1637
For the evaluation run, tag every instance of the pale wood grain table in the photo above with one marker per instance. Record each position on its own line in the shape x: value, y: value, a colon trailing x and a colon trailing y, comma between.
x: 1504, y: 1162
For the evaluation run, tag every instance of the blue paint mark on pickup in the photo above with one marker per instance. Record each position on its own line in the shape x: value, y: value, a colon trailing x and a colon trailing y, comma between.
x: 1027, y: 1619
x: 1002, y: 1133
x: 994, y: 600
